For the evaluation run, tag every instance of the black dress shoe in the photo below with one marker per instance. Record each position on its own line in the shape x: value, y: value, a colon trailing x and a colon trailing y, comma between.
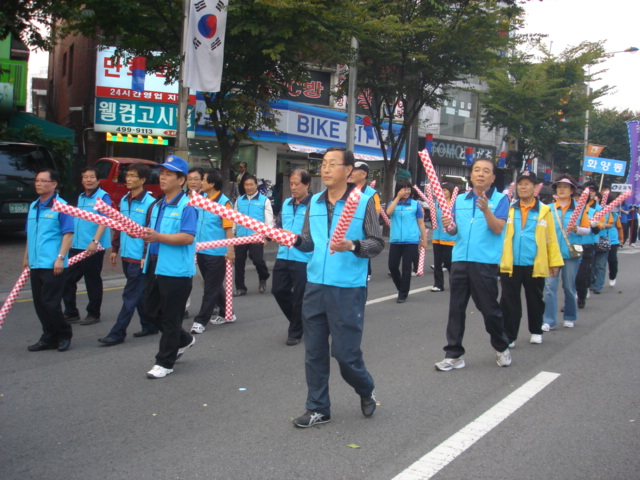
x: 368, y: 405
x: 37, y: 347
x: 110, y: 341
x: 64, y: 344
x: 293, y: 341
x: 144, y: 333
x: 402, y: 297
x: 71, y: 319
x: 239, y: 293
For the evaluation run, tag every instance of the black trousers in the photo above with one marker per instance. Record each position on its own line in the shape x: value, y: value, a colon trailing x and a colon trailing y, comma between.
x: 256, y: 254
x: 408, y: 254
x: 91, y: 269
x: 480, y: 282
x: 441, y: 258
x: 613, y: 262
x: 583, y: 277
x: 212, y: 268
x: 287, y: 286
x: 47, y: 299
x: 165, y: 300
x: 511, y: 302
x: 633, y: 230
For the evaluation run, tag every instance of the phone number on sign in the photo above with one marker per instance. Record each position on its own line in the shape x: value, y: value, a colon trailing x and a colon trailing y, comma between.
x: 140, y: 131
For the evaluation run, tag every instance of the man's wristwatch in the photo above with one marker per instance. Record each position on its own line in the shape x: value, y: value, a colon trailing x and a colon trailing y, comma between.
x: 61, y: 257
x: 95, y: 241
x: 353, y: 246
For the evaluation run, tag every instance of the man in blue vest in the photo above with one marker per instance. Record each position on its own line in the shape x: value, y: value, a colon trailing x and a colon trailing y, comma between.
x: 87, y: 237
x: 336, y: 291
x: 480, y: 217
x: 212, y: 262
x: 255, y: 205
x: 49, y: 237
x: 290, y: 269
x: 134, y: 205
x: 169, y: 265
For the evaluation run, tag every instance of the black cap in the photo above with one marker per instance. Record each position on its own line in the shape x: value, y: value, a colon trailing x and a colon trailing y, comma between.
x: 527, y: 174
x: 361, y: 166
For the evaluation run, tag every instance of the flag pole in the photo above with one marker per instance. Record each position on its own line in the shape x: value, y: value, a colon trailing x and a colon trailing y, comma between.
x: 181, y: 148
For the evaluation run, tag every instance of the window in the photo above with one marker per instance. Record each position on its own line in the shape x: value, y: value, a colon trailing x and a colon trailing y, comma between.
x: 70, y: 76
x: 459, y: 115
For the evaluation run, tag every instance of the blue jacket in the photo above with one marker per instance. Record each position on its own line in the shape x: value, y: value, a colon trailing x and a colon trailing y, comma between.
x: 84, y: 229
x: 475, y: 242
x: 136, y: 210
x: 253, y: 208
x: 45, y: 232
x: 525, y: 248
x: 210, y: 228
x: 340, y: 269
x: 440, y: 234
x: 292, y: 218
x: 404, y: 223
x: 173, y: 260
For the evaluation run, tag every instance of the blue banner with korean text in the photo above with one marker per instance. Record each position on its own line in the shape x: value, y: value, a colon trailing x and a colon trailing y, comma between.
x: 607, y: 166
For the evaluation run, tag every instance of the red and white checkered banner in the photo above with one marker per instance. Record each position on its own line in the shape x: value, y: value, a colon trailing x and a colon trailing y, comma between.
x: 606, y: 210
x: 385, y: 217
x: 280, y: 236
x: 111, y: 212
x: 22, y: 280
x: 421, y: 255
x: 228, y: 290
x: 510, y: 191
x: 90, y: 216
x: 579, y: 207
x: 436, y: 187
x: 536, y: 191
x: 227, y: 242
x: 432, y: 205
x: 454, y: 195
x: 348, y: 211
x: 605, y: 197
x: 373, y: 184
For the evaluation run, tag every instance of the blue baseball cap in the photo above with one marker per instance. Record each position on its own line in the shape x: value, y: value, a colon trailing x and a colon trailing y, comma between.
x: 176, y: 164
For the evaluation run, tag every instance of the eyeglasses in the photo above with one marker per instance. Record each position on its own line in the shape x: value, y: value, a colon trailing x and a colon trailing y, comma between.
x: 331, y: 166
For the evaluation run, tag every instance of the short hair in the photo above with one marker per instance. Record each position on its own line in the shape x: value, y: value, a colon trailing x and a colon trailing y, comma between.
x: 400, y: 184
x: 89, y: 169
x: 249, y: 177
x: 214, y: 177
x: 143, y: 170
x: 484, y: 159
x: 54, y: 176
x: 305, y: 177
x: 593, y: 187
x: 347, y: 155
x: 198, y: 170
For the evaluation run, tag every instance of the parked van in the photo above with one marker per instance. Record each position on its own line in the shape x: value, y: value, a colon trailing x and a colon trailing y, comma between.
x: 19, y: 164
x: 112, y: 172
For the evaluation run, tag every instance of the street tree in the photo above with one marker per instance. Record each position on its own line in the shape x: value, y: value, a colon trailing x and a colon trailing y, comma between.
x: 541, y: 101
x: 412, y: 52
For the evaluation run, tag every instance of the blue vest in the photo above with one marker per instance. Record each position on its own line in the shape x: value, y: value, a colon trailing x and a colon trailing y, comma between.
x: 210, y: 228
x: 253, y: 208
x: 173, y: 260
x: 293, y: 219
x: 404, y: 223
x: 611, y: 233
x: 475, y: 241
x: 44, y: 235
x: 571, y: 237
x: 524, y: 239
x: 84, y: 230
x: 591, y: 237
x: 342, y: 269
x: 136, y: 210
x: 440, y: 233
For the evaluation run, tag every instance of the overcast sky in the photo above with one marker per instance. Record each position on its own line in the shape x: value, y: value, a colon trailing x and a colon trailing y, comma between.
x: 614, y: 22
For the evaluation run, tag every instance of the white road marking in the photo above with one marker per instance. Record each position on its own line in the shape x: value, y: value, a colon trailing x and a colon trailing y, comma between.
x: 390, y: 297
x: 447, y: 451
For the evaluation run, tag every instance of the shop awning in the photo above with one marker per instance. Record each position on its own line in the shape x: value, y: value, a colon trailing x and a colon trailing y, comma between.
x: 19, y: 120
x: 310, y: 149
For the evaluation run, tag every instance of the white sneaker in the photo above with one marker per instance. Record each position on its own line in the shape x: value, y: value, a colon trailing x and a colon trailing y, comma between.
x: 449, y: 364
x: 186, y: 347
x: 159, y: 372
x: 568, y: 324
x: 436, y: 289
x: 547, y: 328
x: 216, y: 320
x: 197, y: 328
x: 535, y: 338
x: 503, y: 359
x: 612, y: 283
x: 588, y: 293
x: 368, y: 278
x: 512, y: 345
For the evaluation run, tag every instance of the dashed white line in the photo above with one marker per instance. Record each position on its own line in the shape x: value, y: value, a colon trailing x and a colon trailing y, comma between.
x: 447, y: 451
x: 390, y: 297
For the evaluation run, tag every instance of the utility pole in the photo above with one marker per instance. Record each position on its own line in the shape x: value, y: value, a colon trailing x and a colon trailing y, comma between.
x: 351, y: 95
x: 181, y: 148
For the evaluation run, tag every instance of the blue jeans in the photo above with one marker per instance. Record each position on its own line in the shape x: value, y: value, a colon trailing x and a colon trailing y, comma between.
x: 600, y: 269
x: 338, y: 313
x: 568, y: 274
x: 132, y: 298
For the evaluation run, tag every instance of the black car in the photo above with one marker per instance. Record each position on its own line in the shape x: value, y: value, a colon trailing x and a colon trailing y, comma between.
x: 19, y: 164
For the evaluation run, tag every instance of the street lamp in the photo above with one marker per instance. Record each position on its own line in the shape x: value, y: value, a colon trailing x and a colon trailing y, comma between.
x: 586, y: 114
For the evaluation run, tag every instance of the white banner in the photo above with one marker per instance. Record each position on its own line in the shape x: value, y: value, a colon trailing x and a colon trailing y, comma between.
x: 205, y: 49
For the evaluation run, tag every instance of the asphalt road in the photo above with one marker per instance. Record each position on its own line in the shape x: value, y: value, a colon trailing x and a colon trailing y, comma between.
x: 225, y: 412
